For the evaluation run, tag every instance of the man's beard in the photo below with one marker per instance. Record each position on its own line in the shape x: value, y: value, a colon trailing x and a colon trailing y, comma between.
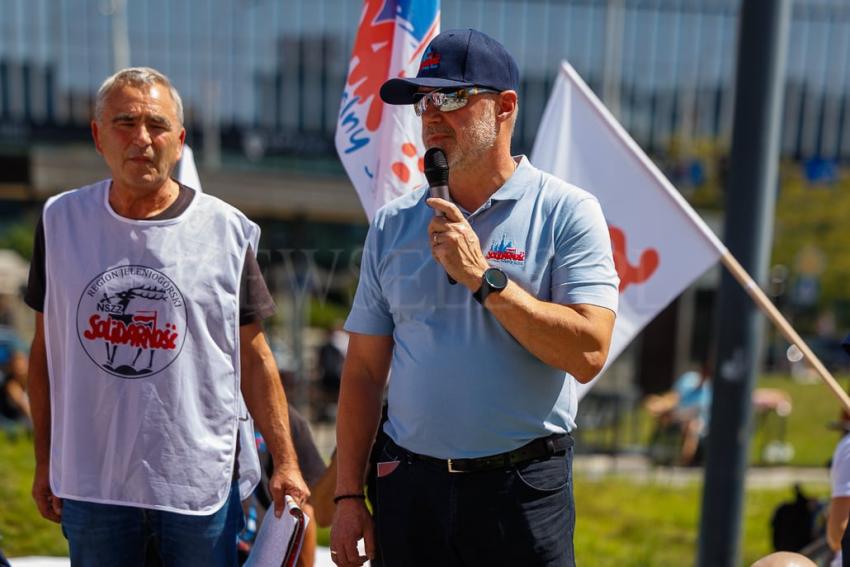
x: 478, y: 138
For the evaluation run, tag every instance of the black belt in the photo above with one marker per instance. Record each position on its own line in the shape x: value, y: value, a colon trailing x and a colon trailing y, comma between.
x: 543, y: 447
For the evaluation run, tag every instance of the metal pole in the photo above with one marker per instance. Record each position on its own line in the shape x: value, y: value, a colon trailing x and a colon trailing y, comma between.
x: 613, y: 75
x: 120, y: 35
x: 750, y: 198
x: 211, y: 120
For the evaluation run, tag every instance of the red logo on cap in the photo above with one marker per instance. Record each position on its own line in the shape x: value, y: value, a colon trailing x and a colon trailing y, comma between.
x: 431, y: 60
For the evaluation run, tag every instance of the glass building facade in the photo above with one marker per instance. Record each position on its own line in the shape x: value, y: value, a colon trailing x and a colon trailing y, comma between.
x: 266, y: 75
x: 262, y: 79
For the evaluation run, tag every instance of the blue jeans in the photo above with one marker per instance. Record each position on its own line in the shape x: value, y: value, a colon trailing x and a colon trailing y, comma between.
x: 520, y: 515
x: 104, y: 535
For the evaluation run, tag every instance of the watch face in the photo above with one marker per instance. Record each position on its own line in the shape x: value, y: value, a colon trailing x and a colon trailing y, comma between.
x: 496, y: 278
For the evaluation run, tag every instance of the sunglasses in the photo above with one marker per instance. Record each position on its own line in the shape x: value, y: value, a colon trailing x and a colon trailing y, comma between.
x: 447, y: 102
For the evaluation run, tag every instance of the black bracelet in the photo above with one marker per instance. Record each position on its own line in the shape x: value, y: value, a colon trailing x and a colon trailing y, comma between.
x: 347, y: 496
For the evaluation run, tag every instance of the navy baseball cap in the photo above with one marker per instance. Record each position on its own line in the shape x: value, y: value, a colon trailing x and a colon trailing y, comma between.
x: 457, y: 59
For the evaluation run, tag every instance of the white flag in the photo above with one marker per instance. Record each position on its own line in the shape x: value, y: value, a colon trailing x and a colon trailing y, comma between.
x: 380, y: 145
x: 660, y: 243
x: 187, y: 172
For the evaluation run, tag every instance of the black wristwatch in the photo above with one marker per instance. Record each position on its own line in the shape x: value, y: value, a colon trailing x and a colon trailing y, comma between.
x: 493, y: 281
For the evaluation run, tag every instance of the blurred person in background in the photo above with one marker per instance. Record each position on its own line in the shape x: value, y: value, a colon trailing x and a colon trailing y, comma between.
x: 330, y: 359
x: 685, y: 411
x: 315, y: 474
x: 313, y: 468
x: 14, y: 403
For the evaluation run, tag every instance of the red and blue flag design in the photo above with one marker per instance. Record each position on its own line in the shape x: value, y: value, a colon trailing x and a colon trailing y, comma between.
x: 381, y: 145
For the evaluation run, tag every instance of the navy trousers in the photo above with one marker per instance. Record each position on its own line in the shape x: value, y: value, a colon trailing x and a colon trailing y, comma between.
x: 519, y: 515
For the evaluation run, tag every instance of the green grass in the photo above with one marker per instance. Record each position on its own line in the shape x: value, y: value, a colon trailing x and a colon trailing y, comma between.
x: 814, y: 407
x: 625, y: 524
x: 23, y: 530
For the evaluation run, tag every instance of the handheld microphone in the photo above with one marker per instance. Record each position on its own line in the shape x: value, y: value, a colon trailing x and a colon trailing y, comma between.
x: 437, y: 174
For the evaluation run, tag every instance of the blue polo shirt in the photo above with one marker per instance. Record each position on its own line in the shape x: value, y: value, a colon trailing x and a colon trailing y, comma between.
x: 460, y: 385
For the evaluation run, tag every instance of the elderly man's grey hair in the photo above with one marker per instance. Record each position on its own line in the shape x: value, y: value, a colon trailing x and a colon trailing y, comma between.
x: 136, y: 77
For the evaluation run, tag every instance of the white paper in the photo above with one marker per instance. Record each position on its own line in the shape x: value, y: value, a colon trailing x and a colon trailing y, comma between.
x: 279, y: 540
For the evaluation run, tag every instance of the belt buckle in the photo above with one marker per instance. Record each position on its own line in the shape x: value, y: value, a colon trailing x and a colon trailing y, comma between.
x: 451, y: 467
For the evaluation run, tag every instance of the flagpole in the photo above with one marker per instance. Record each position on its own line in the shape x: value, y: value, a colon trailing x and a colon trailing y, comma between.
x: 769, y: 309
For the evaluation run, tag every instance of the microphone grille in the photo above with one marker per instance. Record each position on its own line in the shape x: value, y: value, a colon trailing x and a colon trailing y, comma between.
x: 436, y: 167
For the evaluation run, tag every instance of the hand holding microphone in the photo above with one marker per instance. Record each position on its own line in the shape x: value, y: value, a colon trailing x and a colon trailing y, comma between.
x: 454, y: 244
x: 437, y: 174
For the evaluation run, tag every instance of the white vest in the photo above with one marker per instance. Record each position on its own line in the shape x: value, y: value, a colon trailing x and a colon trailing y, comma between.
x: 142, y: 327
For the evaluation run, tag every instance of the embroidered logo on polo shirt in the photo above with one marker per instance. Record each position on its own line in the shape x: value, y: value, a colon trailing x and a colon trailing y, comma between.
x: 430, y: 60
x: 131, y: 321
x: 505, y: 251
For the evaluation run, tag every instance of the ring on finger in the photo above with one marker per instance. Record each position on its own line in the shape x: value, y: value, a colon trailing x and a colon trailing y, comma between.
x: 435, y: 238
